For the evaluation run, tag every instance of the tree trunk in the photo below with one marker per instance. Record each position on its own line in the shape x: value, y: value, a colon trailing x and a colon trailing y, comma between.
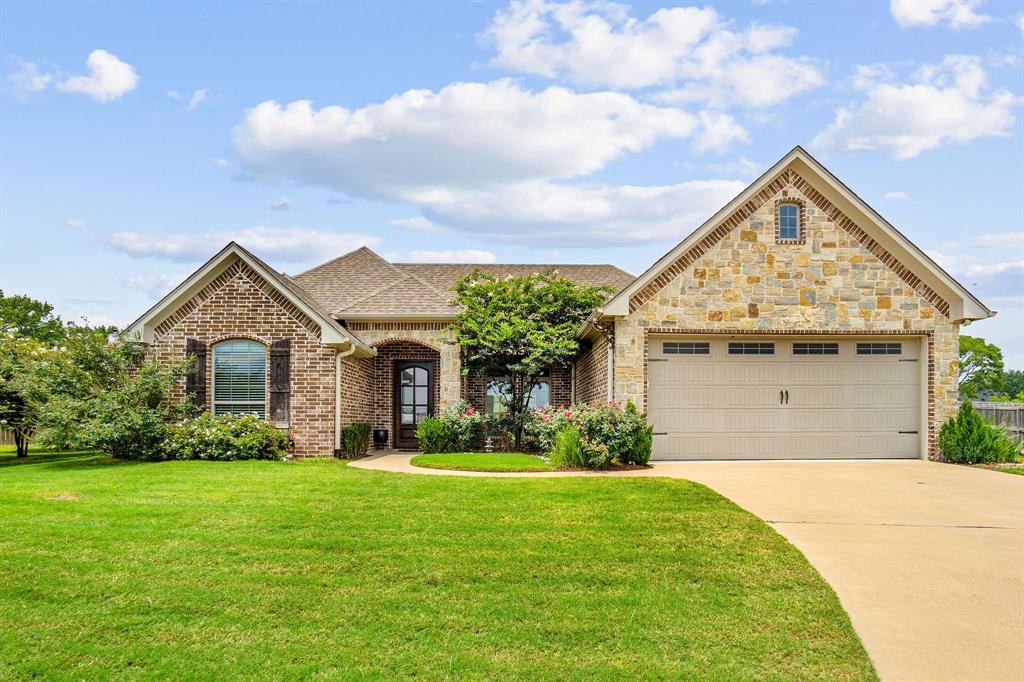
x: 21, y: 443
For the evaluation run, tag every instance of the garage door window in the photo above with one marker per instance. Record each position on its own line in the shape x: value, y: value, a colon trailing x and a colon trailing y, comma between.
x: 815, y: 348
x: 751, y: 348
x: 685, y: 348
x: 879, y: 348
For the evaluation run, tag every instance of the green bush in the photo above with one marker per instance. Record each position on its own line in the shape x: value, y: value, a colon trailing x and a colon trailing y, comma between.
x: 609, y: 433
x: 568, y: 449
x: 355, y: 439
x: 465, y: 427
x: 225, y: 437
x: 642, y: 446
x: 968, y: 439
x: 433, y: 435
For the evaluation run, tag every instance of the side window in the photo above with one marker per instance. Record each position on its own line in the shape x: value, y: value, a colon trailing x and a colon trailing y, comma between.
x: 789, y: 222
x: 240, y: 378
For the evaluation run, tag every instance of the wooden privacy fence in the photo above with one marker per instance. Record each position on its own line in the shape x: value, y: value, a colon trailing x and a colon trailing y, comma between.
x: 1008, y: 415
x: 6, y: 437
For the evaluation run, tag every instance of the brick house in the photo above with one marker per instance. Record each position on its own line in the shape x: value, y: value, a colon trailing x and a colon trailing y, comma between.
x: 795, y: 322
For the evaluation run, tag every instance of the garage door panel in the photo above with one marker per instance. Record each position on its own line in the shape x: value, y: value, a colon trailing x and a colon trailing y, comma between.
x: 840, y: 405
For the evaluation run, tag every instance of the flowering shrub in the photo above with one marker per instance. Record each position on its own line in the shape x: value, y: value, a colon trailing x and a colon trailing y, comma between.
x: 225, y: 437
x: 608, y: 433
x: 464, y: 425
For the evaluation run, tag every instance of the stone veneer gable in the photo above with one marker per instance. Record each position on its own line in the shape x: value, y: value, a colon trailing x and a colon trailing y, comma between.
x: 739, y: 279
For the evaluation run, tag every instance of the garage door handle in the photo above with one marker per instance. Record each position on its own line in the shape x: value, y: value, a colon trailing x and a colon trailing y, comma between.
x: 659, y: 433
x: 787, y: 396
x: 780, y: 397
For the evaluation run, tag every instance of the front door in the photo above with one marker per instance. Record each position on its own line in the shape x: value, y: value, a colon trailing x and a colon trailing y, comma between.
x: 414, y: 399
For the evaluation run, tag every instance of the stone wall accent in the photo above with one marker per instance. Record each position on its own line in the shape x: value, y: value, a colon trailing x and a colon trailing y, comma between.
x: 786, y: 181
x: 834, y: 283
x: 239, y: 303
x: 435, y: 336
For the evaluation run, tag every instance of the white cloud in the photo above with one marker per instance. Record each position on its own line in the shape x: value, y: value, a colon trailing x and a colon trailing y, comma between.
x: 468, y: 133
x: 956, y: 13
x: 154, y: 285
x: 1020, y: 23
x: 490, y: 157
x: 557, y: 214
x: 898, y: 196
x: 718, y: 132
x: 458, y: 256
x: 198, y: 97
x: 1003, y: 240
x: 75, y: 222
x: 109, y: 78
x: 27, y: 79
x: 944, y: 103
x: 417, y: 223
x: 289, y: 244
x: 741, y: 167
x: 987, y: 269
x: 282, y: 204
x: 690, y: 49
x: 221, y: 163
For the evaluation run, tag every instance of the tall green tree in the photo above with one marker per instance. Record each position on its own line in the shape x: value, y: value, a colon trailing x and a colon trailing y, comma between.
x: 516, y: 328
x: 981, y: 366
x: 28, y: 318
x: 1013, y: 382
x: 19, y: 359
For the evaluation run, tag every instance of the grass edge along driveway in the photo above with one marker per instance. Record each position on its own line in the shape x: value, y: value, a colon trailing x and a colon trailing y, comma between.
x: 315, y: 569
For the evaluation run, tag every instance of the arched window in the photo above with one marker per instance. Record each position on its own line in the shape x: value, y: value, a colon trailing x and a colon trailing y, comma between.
x: 789, y: 222
x: 240, y: 378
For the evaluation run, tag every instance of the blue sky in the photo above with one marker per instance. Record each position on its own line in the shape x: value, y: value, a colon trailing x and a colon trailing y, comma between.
x: 136, y: 139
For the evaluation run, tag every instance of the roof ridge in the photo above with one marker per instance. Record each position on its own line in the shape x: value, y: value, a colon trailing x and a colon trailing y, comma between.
x: 377, y: 292
x: 343, y: 256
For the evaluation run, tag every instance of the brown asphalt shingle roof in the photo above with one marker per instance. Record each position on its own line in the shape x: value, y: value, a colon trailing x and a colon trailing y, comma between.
x: 361, y: 282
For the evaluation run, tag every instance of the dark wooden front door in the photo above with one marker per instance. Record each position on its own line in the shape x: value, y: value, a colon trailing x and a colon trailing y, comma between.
x: 414, y: 399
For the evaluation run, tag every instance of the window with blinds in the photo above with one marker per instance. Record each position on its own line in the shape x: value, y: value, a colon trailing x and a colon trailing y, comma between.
x: 240, y: 378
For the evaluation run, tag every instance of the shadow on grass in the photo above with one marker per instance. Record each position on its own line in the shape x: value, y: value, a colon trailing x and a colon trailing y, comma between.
x: 67, y: 459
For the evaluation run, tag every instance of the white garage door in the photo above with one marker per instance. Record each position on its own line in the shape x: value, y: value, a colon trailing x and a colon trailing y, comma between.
x: 784, y: 397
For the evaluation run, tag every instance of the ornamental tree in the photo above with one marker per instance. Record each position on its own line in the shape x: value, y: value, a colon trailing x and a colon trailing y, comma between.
x: 981, y: 366
x: 516, y: 328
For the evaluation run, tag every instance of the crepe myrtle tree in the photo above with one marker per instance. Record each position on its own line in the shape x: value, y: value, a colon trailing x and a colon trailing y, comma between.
x: 515, y: 328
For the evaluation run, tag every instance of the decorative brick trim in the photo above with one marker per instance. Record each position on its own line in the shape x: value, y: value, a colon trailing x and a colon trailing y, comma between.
x: 237, y: 335
x: 398, y: 326
x: 238, y: 269
x: 716, y: 235
x: 841, y: 219
x: 801, y: 229
x: 927, y: 334
x: 783, y: 180
x: 403, y: 339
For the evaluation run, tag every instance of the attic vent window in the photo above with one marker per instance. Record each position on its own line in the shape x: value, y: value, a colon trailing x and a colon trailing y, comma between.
x: 789, y: 222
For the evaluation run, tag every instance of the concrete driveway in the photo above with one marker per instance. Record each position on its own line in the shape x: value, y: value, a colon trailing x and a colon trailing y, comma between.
x: 928, y: 559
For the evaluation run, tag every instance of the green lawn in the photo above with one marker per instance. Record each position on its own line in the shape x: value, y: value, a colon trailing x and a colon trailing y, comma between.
x: 206, y: 570
x: 1011, y: 470
x: 475, y: 461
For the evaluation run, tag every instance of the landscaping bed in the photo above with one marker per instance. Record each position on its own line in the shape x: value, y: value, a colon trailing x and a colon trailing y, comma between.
x: 255, y: 569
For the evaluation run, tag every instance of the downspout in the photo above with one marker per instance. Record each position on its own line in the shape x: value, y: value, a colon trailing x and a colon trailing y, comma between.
x: 338, y: 355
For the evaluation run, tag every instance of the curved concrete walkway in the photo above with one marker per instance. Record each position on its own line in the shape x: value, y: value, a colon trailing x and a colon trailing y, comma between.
x: 928, y: 559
